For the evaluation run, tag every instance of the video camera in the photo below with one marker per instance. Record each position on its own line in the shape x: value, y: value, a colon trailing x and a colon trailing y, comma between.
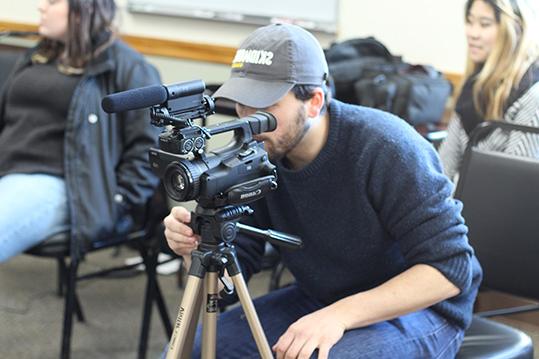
x: 235, y: 174
x: 222, y: 182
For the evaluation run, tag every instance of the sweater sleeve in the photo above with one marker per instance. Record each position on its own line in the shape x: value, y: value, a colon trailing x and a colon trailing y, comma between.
x: 413, y: 199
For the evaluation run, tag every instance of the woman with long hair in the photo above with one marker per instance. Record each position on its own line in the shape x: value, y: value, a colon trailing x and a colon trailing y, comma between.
x: 66, y: 165
x: 501, y: 79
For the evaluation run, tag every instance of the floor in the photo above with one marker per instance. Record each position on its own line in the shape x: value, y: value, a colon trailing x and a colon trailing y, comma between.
x: 31, y: 312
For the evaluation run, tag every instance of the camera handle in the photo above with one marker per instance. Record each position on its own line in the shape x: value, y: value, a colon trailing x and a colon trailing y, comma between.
x: 215, y: 253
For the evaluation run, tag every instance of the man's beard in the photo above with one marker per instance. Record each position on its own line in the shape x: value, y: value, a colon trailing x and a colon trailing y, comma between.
x: 279, y: 149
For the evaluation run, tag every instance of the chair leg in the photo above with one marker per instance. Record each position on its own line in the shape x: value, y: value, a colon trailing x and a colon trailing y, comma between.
x: 276, y: 274
x: 163, y: 311
x: 78, y: 309
x: 70, y: 304
x: 62, y: 274
x: 153, y: 293
x: 149, y: 265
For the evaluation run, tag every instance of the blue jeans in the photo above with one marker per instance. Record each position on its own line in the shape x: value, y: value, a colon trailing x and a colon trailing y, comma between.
x: 32, y: 208
x: 422, y: 334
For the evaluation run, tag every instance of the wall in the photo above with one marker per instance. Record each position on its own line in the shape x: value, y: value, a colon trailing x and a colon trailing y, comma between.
x: 422, y: 31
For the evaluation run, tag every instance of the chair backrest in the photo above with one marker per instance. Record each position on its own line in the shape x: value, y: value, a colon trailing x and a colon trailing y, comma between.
x: 500, y: 194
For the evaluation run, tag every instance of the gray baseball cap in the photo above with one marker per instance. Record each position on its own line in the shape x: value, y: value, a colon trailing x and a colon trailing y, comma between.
x: 270, y: 62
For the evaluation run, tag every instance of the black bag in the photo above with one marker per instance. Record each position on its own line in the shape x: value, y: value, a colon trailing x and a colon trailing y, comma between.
x: 349, y: 60
x: 364, y: 72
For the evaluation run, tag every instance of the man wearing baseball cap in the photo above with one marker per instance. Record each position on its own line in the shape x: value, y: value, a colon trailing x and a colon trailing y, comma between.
x: 386, y: 269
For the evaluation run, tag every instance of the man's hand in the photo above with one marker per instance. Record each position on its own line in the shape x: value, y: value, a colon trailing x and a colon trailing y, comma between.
x: 180, y: 236
x: 320, y: 329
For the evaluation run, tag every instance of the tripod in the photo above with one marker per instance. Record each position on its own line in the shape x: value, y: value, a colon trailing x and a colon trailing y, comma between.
x: 218, y: 228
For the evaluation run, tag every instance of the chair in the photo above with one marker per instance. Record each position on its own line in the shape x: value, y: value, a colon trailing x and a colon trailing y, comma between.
x: 147, y: 238
x: 501, y: 204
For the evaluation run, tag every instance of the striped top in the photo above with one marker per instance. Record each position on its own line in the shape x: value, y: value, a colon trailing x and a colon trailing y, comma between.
x: 524, y: 111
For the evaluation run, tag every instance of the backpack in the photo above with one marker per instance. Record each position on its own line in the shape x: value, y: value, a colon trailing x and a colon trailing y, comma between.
x: 365, y: 72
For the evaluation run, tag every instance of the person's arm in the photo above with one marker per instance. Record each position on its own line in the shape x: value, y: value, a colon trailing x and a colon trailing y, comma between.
x: 2, y: 105
x: 3, y: 95
x: 413, y: 200
x: 135, y: 178
x: 417, y: 288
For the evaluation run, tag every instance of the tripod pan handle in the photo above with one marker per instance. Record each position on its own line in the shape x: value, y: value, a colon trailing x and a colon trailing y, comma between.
x: 280, y: 239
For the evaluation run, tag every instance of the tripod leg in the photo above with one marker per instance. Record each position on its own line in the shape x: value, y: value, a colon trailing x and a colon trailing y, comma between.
x: 187, y: 349
x: 252, y: 318
x: 186, y: 321
x: 209, y: 323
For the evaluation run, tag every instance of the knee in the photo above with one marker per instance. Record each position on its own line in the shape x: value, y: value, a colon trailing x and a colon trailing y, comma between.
x: 5, y: 252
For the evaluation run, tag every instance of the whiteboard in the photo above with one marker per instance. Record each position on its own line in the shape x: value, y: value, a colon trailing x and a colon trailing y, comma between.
x: 321, y: 16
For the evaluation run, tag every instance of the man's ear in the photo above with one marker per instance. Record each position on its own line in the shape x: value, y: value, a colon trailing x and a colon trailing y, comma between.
x: 316, y: 103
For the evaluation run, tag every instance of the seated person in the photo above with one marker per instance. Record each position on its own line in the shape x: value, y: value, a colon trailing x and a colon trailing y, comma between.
x: 66, y: 164
x: 386, y: 270
x: 501, y: 80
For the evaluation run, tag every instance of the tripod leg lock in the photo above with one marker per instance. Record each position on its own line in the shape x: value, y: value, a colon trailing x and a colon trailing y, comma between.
x: 228, y: 285
x: 197, y: 268
x: 232, y: 264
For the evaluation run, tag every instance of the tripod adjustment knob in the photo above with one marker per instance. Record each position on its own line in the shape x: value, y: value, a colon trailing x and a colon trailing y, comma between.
x: 228, y: 231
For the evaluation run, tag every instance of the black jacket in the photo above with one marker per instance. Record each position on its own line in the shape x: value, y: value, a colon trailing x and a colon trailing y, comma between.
x: 107, y: 173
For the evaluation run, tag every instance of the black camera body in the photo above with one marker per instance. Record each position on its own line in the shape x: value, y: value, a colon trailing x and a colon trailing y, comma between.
x: 235, y: 174
x: 181, y: 142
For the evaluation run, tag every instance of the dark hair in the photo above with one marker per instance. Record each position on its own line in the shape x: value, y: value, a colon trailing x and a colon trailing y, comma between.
x: 306, y: 92
x: 496, y: 9
x: 89, y: 31
x: 496, y: 6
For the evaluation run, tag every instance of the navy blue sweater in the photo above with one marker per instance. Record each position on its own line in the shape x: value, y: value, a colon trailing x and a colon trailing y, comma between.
x: 371, y: 205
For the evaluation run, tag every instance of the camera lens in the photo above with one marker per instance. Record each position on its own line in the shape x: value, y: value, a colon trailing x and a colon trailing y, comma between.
x: 181, y: 180
x: 178, y: 183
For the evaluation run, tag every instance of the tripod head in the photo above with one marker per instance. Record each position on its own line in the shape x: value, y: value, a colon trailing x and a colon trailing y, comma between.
x: 220, y: 227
